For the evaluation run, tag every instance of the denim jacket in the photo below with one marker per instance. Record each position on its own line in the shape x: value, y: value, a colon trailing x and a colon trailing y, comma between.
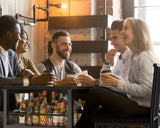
x: 139, y: 87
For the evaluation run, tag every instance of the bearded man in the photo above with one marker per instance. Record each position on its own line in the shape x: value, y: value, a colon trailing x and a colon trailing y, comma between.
x: 57, y: 62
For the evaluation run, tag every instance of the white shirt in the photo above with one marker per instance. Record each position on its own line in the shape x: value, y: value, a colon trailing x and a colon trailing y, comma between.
x: 5, y: 60
x: 122, y: 66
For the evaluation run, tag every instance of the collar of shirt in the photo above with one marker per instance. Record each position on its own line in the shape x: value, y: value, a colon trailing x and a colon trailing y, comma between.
x: 3, y: 51
x: 126, y: 54
x: 5, y: 59
x: 59, y: 73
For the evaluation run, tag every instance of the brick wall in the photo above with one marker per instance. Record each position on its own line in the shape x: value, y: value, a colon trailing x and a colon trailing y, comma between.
x: 83, y: 7
x: 39, y: 35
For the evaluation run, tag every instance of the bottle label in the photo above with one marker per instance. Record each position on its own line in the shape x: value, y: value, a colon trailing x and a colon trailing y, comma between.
x: 29, y: 120
x: 75, y: 119
x: 65, y: 121
x: 55, y: 119
x: 60, y: 120
x: 79, y: 115
x: 35, y: 119
x: 42, y: 118
x: 21, y: 119
x: 49, y: 120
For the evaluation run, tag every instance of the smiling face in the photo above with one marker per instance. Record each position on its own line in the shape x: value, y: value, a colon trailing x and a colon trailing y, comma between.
x: 117, y: 40
x: 63, y: 47
x: 127, y: 33
x: 22, y: 46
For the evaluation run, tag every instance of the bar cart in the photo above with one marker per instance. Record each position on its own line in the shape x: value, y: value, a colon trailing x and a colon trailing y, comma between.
x: 69, y: 90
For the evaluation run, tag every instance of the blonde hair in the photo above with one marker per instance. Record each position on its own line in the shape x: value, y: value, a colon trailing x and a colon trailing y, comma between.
x: 142, y: 40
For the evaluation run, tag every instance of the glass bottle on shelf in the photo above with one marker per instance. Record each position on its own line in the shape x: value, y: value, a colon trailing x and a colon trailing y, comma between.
x: 22, y: 98
x: 65, y: 118
x: 22, y: 110
x: 29, y: 116
x: 44, y: 97
x: 31, y: 101
x: 43, y: 118
x: 49, y: 117
x: 37, y: 103
x: 36, y: 117
x: 75, y: 107
x: 80, y: 109
x: 61, y: 109
x: 55, y: 118
x: 53, y: 100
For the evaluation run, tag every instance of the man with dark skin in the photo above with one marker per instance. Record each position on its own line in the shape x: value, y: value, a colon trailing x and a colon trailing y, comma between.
x: 10, y: 70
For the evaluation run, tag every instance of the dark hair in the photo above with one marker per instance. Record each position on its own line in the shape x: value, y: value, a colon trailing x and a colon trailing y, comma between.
x: 23, y: 31
x: 58, y: 34
x: 117, y: 24
x: 50, y: 49
x: 7, y: 23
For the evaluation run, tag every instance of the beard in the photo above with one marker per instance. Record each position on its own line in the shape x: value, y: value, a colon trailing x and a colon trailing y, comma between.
x: 60, y: 53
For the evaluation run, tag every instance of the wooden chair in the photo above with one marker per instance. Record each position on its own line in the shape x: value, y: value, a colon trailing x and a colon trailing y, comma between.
x: 151, y: 121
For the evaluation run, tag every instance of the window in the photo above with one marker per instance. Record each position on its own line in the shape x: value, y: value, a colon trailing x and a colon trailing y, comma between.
x: 149, y: 10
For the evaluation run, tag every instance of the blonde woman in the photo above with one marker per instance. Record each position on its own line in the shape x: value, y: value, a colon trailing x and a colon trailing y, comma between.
x: 136, y: 97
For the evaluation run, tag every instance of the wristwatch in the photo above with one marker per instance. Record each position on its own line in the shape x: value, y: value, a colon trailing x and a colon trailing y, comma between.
x: 97, y: 82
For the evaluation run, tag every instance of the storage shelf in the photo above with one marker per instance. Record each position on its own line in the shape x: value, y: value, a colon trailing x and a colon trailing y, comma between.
x: 25, y: 126
x: 38, y: 114
x: 70, y: 90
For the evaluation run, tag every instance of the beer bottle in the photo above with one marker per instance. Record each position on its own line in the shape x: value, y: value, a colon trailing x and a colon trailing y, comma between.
x: 55, y: 118
x: 29, y: 116
x: 37, y: 104
x: 53, y: 100
x: 22, y: 110
x: 36, y: 116
x: 60, y: 109
x: 75, y: 113
x: 43, y: 118
x: 80, y: 110
x: 49, y: 117
x: 45, y: 97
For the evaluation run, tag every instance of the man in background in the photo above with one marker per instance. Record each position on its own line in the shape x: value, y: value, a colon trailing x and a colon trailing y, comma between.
x: 10, y: 70
x: 122, y: 67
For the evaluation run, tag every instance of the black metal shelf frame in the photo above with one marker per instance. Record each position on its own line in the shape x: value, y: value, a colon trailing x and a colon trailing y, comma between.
x: 70, y: 90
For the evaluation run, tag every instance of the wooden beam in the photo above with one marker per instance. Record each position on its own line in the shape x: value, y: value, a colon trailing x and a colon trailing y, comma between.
x: 64, y: 22
x: 89, y: 46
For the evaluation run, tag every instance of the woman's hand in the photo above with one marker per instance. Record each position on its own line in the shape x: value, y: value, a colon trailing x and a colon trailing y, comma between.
x: 109, y: 80
x: 86, y: 80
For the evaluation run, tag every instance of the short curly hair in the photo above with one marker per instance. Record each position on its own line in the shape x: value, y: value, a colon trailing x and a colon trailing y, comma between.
x: 117, y: 24
x: 58, y: 34
x: 7, y: 23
